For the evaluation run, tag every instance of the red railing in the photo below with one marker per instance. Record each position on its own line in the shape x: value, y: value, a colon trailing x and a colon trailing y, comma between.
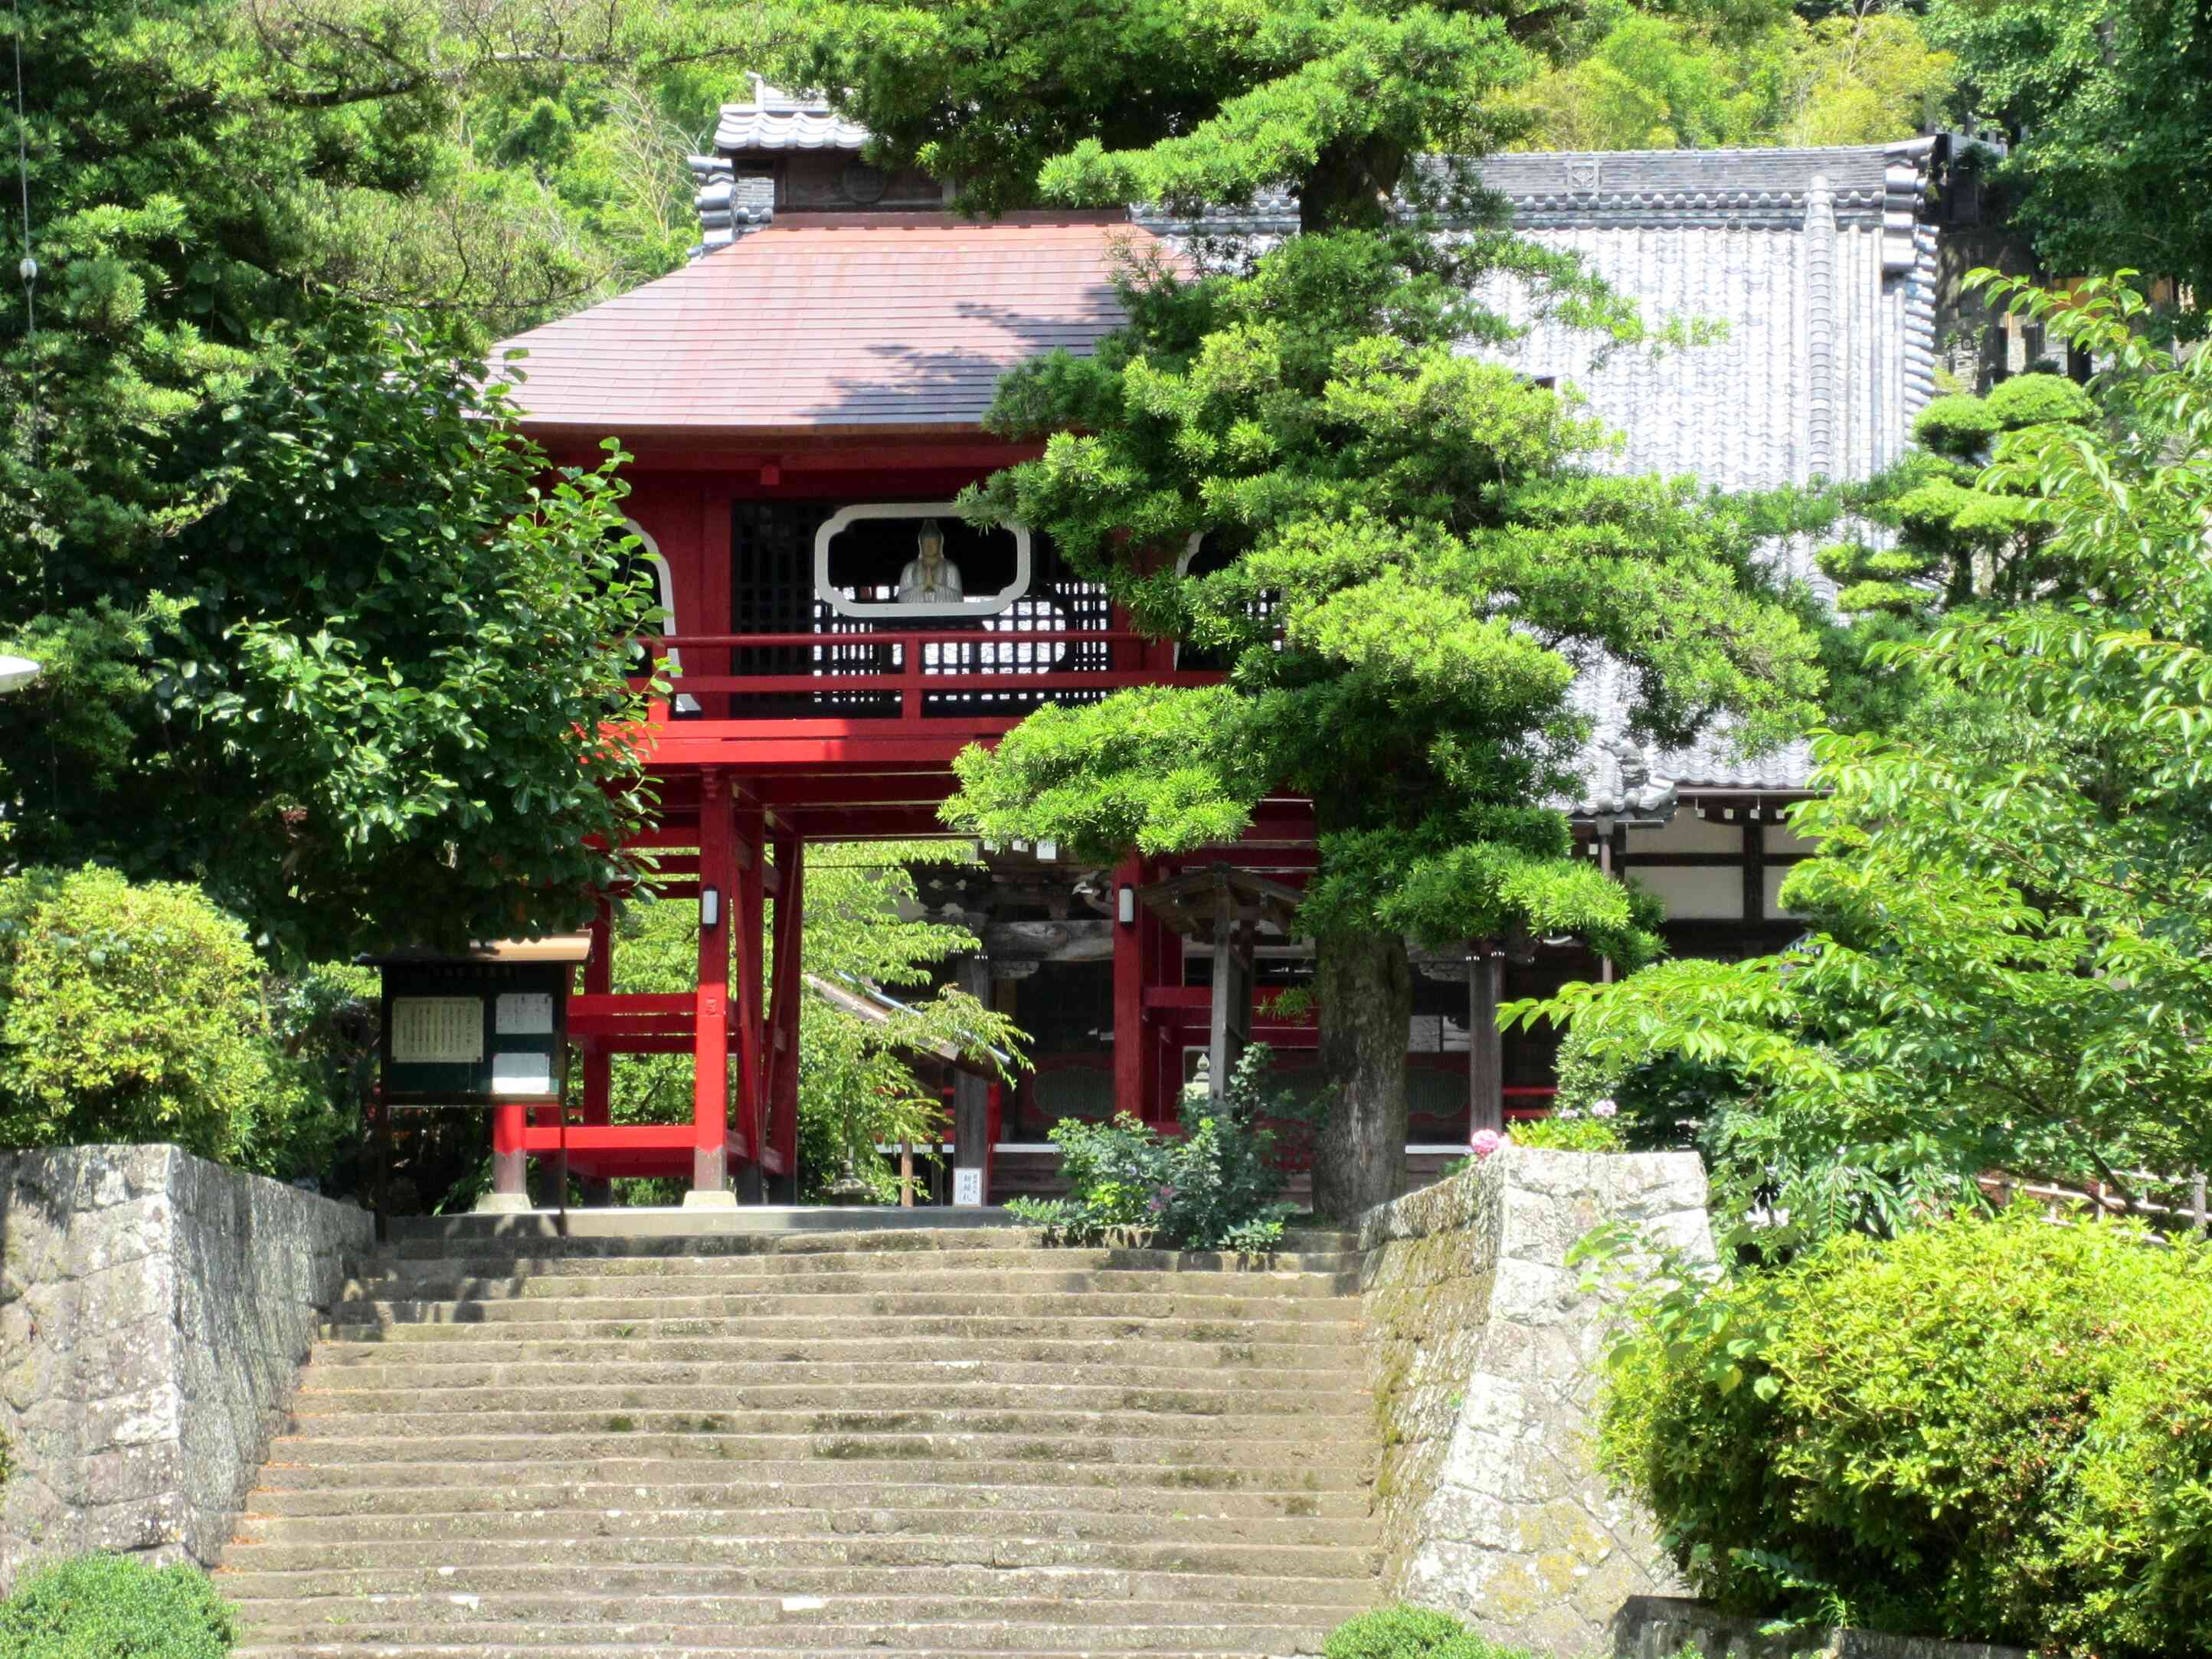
x: 917, y: 664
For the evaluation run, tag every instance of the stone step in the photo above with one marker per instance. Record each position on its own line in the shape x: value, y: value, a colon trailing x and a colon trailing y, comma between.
x: 444, y: 1323
x: 741, y: 1277
x: 1283, y: 1633
x: 886, y: 1303
x: 1073, y: 1445
x: 599, y: 1264
x: 352, y: 1370
x: 707, y: 1513
x: 939, y: 1445
x: 635, y: 1469
x: 457, y: 1237
x: 414, y: 1346
x: 756, y: 1402
x: 508, y: 1498
x: 741, y: 1594
x: 482, y: 1560
x: 1178, y: 1641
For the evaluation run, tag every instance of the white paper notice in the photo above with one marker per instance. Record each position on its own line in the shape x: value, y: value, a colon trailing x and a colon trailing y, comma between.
x: 968, y: 1186
x: 437, y: 1031
x: 525, y: 1013
x: 522, y: 1074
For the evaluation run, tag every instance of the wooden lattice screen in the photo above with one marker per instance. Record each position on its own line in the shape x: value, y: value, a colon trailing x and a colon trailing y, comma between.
x: 772, y: 592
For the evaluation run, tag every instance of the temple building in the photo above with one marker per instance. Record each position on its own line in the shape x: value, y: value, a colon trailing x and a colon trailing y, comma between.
x: 805, y: 399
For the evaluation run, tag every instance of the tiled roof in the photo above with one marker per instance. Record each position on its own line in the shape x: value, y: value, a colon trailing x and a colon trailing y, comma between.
x: 828, y: 323
x: 1820, y: 262
x: 775, y: 120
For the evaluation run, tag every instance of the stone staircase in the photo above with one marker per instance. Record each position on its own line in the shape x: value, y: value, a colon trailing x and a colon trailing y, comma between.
x: 914, y: 1444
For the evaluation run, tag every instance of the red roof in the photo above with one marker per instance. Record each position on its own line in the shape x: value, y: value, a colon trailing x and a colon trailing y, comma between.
x: 822, y: 323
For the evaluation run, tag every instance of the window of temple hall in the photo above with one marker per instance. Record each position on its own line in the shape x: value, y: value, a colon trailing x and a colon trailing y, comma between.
x: 917, y: 559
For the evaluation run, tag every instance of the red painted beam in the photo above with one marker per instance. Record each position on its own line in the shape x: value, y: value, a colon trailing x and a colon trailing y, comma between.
x: 608, y: 1137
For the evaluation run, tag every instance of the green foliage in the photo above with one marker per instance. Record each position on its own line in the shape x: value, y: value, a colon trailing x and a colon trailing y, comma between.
x: 1667, y: 78
x: 1416, y: 528
x: 1408, y: 1632
x: 1571, y: 1129
x: 316, y: 636
x: 2109, y: 104
x: 111, y: 1606
x: 1041, y: 100
x: 351, y: 697
x: 1991, y: 1431
x: 2010, y: 960
x: 1406, y: 553
x: 1960, y: 541
x: 857, y: 1086
x: 1211, y: 1188
x: 140, y: 1013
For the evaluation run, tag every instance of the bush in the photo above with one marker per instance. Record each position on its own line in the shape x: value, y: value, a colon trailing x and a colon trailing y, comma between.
x: 110, y: 1606
x: 1403, y: 1632
x: 1212, y: 1187
x: 137, y: 1014
x: 1573, y: 1129
x: 1990, y: 1430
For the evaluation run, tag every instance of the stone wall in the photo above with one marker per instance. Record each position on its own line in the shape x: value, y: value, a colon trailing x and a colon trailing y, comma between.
x: 1662, y: 1626
x: 1487, y: 1360
x: 154, y: 1309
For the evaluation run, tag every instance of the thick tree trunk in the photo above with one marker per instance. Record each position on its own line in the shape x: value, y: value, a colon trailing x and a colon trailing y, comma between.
x: 1352, y: 186
x: 1365, y: 985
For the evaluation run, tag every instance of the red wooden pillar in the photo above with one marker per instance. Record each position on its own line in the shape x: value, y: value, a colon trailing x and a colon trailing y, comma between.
x: 710, y: 1044
x: 745, y: 990
x: 599, y: 1064
x: 508, y: 1180
x: 1131, y: 1050
x: 781, y: 1060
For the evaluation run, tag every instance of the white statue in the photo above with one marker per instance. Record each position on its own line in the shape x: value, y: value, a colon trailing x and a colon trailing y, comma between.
x: 930, y: 578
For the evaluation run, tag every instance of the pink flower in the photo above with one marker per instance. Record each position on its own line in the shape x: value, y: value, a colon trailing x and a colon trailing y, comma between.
x: 1604, y: 1109
x: 1487, y: 1142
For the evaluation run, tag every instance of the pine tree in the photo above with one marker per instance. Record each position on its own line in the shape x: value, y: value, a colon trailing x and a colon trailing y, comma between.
x: 1407, y: 558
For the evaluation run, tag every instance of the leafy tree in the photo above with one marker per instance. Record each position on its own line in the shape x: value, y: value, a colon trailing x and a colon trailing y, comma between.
x: 1150, y: 101
x: 1959, y: 542
x: 549, y: 169
x: 1406, y: 562
x: 358, y: 695
x: 1662, y: 79
x: 2011, y: 962
x: 313, y: 632
x: 2110, y: 107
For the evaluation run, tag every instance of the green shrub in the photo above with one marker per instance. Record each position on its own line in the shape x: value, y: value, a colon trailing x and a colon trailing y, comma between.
x: 1664, y: 1101
x: 137, y: 1014
x: 1572, y: 1129
x: 2033, y: 400
x: 1212, y: 1187
x: 110, y: 1606
x: 1988, y: 1430
x: 1403, y: 1632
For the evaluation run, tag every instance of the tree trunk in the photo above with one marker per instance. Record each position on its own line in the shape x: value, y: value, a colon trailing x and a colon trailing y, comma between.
x: 1352, y: 186
x: 1365, y: 986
